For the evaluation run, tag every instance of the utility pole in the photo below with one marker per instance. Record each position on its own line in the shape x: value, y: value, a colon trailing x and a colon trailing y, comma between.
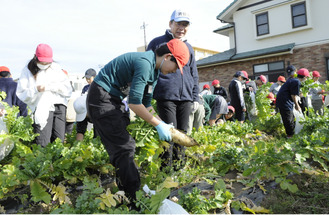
x: 144, y: 27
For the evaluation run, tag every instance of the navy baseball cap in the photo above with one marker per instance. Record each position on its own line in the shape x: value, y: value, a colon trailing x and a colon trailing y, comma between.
x: 90, y: 73
x: 290, y: 69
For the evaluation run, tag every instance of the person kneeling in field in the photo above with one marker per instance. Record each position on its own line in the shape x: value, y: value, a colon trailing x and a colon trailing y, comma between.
x: 134, y: 74
x: 226, y: 117
x: 215, y: 106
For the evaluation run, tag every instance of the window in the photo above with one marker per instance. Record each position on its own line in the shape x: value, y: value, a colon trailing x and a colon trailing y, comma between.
x: 262, y: 24
x: 272, y: 70
x: 298, y: 13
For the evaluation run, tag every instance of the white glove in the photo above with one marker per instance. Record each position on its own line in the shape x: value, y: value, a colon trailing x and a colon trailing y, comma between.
x: 195, y: 106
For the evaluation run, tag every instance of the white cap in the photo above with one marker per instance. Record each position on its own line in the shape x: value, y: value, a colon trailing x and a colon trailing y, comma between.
x: 80, y: 108
x: 179, y: 16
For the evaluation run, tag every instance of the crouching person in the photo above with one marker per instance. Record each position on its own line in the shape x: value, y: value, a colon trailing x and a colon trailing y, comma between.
x: 215, y: 106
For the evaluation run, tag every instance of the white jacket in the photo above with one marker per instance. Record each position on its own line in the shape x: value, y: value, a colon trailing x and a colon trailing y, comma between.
x: 57, y: 91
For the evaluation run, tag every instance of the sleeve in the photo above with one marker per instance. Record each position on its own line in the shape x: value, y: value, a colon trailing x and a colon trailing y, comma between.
x: 195, y: 75
x: 271, y: 88
x: 240, y: 94
x: 207, y: 111
x: 225, y: 93
x: 142, y: 70
x: 22, y: 107
x: 26, y: 87
x: 61, y: 86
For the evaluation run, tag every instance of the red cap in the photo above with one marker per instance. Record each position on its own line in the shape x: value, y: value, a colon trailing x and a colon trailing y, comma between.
x: 282, y: 79
x: 263, y: 79
x: 245, y: 74
x: 316, y: 74
x: 4, y: 69
x: 215, y: 82
x: 206, y: 86
x: 303, y: 72
x: 231, y: 108
x: 44, y: 53
x: 270, y: 96
x: 180, y: 52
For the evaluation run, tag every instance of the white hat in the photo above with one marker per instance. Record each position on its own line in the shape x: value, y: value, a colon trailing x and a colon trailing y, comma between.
x: 179, y: 16
x: 80, y: 108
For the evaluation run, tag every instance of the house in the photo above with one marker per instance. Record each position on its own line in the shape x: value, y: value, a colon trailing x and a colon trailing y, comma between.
x: 268, y: 35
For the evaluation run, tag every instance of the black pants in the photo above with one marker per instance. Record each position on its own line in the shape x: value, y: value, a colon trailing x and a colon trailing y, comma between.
x: 288, y: 119
x: 55, y: 127
x: 110, y: 120
x: 82, y: 127
x: 176, y: 112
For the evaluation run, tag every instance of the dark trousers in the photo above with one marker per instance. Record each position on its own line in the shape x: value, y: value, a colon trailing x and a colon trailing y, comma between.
x: 239, y: 114
x: 288, y: 119
x: 110, y: 120
x: 176, y: 112
x: 55, y: 127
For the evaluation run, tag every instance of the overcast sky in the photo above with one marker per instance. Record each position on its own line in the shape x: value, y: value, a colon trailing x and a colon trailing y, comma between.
x: 88, y: 33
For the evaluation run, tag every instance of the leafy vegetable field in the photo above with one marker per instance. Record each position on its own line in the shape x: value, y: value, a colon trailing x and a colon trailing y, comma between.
x: 249, y: 168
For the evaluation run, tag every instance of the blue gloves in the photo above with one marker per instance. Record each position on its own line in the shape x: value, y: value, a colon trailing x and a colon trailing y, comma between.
x: 163, y: 131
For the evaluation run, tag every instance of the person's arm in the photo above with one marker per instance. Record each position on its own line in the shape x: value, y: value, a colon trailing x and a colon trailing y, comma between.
x: 162, y: 128
x: 26, y: 87
x: 240, y: 95
x: 295, y: 100
x: 145, y: 113
x: 212, y: 122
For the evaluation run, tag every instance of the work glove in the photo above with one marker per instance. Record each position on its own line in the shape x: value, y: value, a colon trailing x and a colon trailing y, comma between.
x: 163, y: 131
x: 195, y: 106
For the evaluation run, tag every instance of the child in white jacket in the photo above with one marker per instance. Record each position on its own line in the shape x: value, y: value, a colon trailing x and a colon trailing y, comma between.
x: 45, y: 88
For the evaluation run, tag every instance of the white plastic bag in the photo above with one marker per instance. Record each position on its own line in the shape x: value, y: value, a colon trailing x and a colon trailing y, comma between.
x: 6, y: 147
x: 298, y: 116
x: 168, y: 206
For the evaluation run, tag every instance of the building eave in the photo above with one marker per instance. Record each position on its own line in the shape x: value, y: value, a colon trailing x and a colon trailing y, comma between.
x: 246, y: 56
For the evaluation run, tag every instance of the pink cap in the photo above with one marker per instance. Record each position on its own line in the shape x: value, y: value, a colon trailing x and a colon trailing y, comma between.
x: 263, y: 79
x: 271, y: 96
x: 231, y: 108
x: 214, y: 82
x: 303, y: 72
x: 316, y: 74
x: 206, y: 86
x: 44, y: 53
x: 245, y: 74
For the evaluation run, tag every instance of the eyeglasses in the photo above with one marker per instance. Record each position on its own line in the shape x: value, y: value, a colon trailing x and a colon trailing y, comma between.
x: 182, y: 24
